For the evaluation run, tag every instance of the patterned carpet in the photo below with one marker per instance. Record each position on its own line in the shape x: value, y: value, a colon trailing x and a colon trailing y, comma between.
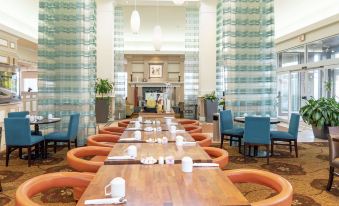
x: 307, y: 174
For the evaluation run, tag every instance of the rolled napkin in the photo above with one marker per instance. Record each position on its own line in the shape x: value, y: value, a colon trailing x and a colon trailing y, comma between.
x: 148, y: 129
x: 106, y: 201
x: 189, y: 143
x: 168, y: 117
x: 180, y: 130
x: 132, y: 129
x: 127, y: 139
x: 124, y: 157
x: 205, y: 164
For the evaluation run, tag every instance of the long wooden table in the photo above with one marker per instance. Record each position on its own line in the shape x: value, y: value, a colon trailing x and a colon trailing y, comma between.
x: 167, y: 185
x: 128, y: 136
x: 164, y: 127
x: 155, y: 150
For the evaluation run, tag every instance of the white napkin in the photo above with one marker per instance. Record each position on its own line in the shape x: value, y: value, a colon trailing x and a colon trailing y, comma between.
x: 127, y: 139
x: 180, y: 130
x: 132, y: 129
x: 106, y: 201
x: 168, y: 117
x: 124, y: 157
x: 205, y: 164
x: 148, y: 129
x: 189, y: 143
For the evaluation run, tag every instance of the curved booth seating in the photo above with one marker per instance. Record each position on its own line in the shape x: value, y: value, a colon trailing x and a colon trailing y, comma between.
x: 123, y: 123
x: 112, y: 130
x: 219, y: 156
x: 192, y: 129
x: 279, y: 184
x: 74, y: 158
x: 102, y: 140
x: 188, y: 121
x: 202, y: 139
x: 52, y: 180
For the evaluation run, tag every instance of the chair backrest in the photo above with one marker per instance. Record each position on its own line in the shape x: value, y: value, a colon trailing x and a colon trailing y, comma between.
x: 294, y: 125
x: 333, y: 140
x: 257, y: 130
x: 17, y: 131
x: 73, y: 125
x: 18, y: 114
x: 226, y: 120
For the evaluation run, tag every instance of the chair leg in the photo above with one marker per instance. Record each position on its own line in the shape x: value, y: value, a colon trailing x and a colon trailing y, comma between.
x: 296, y: 147
x: 46, y: 147
x: 76, y: 142
x: 20, y: 152
x: 330, y: 179
x: 7, y: 155
x: 272, y: 145
x: 239, y: 143
x: 268, y: 153
x: 29, y: 149
x: 244, y: 152
x: 231, y: 140
x: 290, y: 143
x: 55, y: 146
x: 222, y: 141
x: 69, y: 144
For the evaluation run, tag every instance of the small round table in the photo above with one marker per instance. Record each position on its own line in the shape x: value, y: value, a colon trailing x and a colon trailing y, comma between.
x: 43, y: 121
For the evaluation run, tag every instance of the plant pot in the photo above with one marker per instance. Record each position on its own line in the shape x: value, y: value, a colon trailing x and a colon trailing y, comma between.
x: 320, y: 132
x: 101, y: 110
x: 211, y: 107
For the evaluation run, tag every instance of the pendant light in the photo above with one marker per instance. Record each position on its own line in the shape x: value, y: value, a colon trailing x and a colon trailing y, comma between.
x: 179, y: 2
x: 157, y: 33
x: 135, y: 19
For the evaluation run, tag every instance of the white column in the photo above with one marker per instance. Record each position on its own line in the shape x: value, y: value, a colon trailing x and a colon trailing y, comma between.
x: 207, y: 51
x: 207, y: 46
x: 105, y: 41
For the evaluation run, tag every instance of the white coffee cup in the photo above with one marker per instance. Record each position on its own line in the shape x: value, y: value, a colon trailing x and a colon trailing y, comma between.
x: 117, y: 186
x: 173, y: 129
x: 137, y: 135
x: 50, y: 116
x: 179, y: 140
x: 161, y: 160
x: 140, y: 119
x: 186, y: 164
x: 132, y: 151
x: 137, y: 124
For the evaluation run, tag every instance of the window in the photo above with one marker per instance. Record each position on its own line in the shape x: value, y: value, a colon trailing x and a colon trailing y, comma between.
x: 31, y: 83
x: 323, y: 49
x: 291, y: 57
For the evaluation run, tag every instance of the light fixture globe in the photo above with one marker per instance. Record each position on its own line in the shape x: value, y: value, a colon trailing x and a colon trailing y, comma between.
x: 157, y: 38
x: 135, y: 22
x: 179, y: 2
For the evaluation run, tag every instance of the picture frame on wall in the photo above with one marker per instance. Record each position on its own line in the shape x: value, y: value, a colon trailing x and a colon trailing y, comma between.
x: 155, y: 70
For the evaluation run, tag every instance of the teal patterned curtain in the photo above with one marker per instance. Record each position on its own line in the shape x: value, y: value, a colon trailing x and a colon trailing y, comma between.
x: 191, y: 72
x: 67, y: 63
x: 245, y: 56
x: 120, y: 76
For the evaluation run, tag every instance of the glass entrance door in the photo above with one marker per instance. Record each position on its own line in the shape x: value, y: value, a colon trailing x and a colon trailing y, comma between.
x: 312, y: 84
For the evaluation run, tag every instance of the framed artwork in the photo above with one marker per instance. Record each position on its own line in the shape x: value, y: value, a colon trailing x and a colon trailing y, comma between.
x: 155, y: 70
x: 4, y: 60
x: 3, y: 42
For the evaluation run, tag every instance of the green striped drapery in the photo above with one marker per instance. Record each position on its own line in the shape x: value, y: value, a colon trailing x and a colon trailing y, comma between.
x: 191, y: 72
x: 245, y: 56
x: 120, y: 76
x: 67, y: 63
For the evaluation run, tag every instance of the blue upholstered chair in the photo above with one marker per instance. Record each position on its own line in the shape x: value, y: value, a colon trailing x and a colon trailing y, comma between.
x: 69, y: 136
x: 18, y: 135
x: 18, y: 114
x: 227, y: 128
x: 257, y: 133
x: 290, y: 136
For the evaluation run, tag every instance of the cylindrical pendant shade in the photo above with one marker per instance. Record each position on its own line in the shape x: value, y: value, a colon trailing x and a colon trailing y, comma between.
x: 135, y: 21
x: 178, y: 2
x: 157, y: 38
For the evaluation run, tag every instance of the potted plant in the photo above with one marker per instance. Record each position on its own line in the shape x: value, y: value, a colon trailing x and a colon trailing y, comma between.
x: 102, y: 88
x: 321, y: 114
x: 211, y: 105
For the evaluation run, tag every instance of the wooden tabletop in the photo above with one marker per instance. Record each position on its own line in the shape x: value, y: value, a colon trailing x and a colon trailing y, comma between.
x: 156, y: 115
x: 167, y: 185
x: 147, y: 135
x: 273, y: 120
x: 155, y: 150
x: 164, y: 127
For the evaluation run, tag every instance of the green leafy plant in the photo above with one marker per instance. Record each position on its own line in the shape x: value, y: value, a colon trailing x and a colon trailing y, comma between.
x: 321, y: 112
x: 211, y: 96
x: 328, y: 86
x: 103, y: 87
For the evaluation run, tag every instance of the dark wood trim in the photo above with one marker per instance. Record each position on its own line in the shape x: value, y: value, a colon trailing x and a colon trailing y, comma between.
x: 288, y: 143
x: 75, y: 141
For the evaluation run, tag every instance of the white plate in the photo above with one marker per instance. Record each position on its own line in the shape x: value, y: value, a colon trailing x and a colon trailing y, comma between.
x: 148, y: 161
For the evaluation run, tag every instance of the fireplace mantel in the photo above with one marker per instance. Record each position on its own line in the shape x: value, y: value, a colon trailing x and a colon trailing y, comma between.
x: 155, y: 84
